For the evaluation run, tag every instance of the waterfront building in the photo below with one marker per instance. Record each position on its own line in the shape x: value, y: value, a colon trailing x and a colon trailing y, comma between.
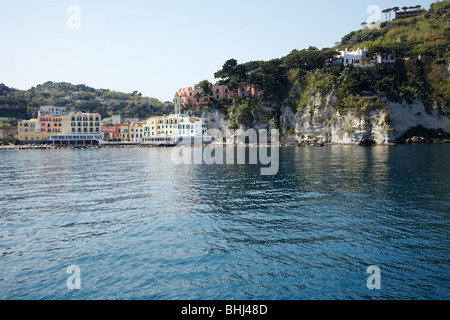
x: 111, y: 133
x: 123, y: 130
x: 81, y: 123
x: 50, y: 124
x: 29, y: 130
x: 136, y: 130
x: 129, y: 132
x: 79, y: 129
x: 174, y: 128
x: 39, y: 129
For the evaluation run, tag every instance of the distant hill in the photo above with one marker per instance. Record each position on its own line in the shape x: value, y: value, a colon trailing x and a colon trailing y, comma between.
x: 20, y: 104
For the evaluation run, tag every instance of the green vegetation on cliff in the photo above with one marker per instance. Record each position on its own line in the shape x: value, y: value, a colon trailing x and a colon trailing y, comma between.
x: 420, y: 46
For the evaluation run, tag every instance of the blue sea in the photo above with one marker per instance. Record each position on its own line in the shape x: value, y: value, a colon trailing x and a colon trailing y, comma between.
x: 139, y: 226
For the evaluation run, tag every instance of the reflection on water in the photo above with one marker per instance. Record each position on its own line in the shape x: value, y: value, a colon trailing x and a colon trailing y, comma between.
x: 141, y: 227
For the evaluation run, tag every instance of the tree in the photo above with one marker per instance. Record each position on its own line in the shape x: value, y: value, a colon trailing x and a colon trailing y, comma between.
x: 206, y: 87
x: 390, y: 13
x: 8, y: 132
x: 364, y: 24
x: 386, y: 11
x: 396, y: 9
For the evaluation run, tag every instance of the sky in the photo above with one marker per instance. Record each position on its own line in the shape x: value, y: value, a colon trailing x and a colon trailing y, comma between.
x: 158, y: 47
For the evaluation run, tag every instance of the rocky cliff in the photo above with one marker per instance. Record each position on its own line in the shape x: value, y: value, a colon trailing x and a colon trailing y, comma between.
x: 319, y: 120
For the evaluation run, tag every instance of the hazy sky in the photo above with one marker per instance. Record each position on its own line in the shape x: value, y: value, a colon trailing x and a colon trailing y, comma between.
x: 157, y: 47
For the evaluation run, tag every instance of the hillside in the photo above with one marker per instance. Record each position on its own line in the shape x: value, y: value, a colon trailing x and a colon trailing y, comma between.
x: 310, y: 99
x: 19, y: 104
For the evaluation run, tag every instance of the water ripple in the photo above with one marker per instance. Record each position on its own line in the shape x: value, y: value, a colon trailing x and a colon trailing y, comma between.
x: 141, y: 227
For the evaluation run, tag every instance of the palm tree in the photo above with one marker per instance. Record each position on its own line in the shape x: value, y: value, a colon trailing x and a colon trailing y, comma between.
x: 364, y: 24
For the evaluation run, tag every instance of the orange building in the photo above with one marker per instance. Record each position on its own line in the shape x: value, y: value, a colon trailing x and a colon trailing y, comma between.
x: 50, y: 124
x: 196, y: 97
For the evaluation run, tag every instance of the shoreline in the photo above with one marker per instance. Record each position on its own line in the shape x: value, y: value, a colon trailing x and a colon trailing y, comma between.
x: 135, y: 145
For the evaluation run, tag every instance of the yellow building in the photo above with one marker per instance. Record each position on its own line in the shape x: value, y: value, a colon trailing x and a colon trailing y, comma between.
x: 81, y: 123
x: 124, y: 132
x: 30, y: 130
x: 163, y: 126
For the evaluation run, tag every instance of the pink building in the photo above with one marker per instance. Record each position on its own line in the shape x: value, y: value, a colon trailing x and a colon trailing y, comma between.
x: 196, y: 97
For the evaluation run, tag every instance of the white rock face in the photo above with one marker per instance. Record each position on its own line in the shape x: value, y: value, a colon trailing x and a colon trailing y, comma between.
x: 407, y: 116
x: 320, y: 122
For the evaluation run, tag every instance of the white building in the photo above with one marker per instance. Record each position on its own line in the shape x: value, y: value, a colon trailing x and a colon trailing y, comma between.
x: 174, y: 129
x: 384, y: 58
x: 55, y: 111
x: 191, y: 126
x: 136, y: 131
x: 116, y: 119
x: 356, y: 58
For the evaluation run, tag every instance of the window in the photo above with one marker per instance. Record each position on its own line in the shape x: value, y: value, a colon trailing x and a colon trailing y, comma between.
x: 217, y: 90
x: 217, y: 96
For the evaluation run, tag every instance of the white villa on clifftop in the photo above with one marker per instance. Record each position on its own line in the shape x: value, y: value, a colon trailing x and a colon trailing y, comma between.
x: 353, y: 57
x: 359, y: 58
